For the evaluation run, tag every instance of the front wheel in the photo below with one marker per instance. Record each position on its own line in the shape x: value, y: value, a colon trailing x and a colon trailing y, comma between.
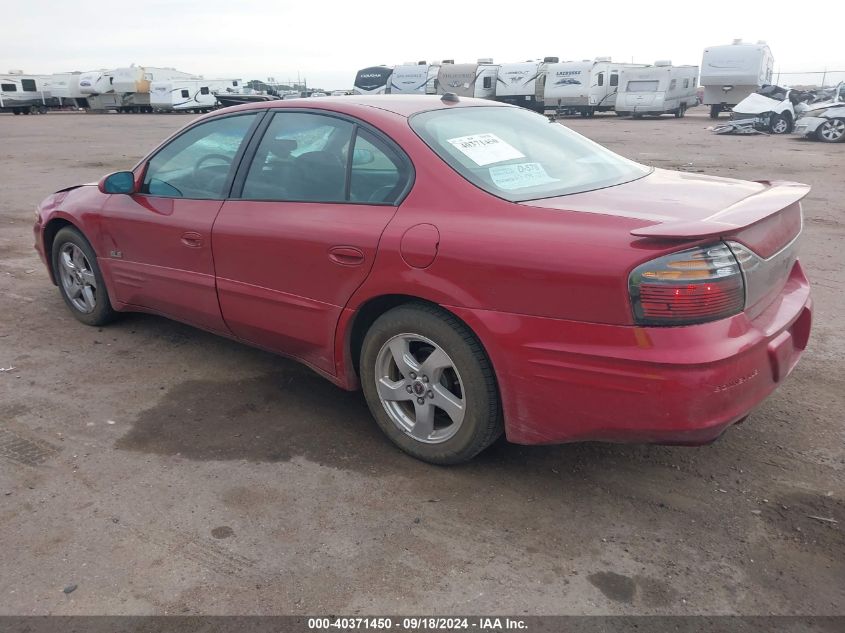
x: 780, y: 124
x: 79, y: 278
x: 429, y: 385
x: 831, y: 131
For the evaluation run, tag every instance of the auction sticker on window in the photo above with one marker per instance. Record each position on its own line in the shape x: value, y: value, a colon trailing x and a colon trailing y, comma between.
x: 518, y: 176
x: 484, y: 149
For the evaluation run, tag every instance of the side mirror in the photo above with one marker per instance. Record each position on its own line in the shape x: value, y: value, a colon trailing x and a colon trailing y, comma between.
x: 362, y: 157
x: 118, y: 182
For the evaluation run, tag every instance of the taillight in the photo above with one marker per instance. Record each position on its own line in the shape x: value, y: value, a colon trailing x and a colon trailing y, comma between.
x: 692, y: 286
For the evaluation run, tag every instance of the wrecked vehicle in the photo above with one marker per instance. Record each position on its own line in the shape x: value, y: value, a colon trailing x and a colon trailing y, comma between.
x: 771, y: 109
x: 824, y: 120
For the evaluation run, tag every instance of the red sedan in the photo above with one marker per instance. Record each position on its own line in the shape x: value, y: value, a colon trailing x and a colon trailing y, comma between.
x: 475, y: 268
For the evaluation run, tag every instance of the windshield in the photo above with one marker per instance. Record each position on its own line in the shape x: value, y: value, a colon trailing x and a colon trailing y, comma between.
x: 519, y: 155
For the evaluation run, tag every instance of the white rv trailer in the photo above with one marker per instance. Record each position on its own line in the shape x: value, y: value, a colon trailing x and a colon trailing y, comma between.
x: 419, y: 78
x: 468, y: 80
x: 96, y: 82
x: 373, y: 80
x: 523, y: 84
x: 656, y: 90
x: 131, y: 87
x: 64, y: 89
x: 732, y: 72
x: 22, y: 94
x: 182, y: 95
x: 584, y: 87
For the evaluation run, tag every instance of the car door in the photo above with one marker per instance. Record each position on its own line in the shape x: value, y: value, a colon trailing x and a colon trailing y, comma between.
x: 301, y: 231
x: 159, y: 240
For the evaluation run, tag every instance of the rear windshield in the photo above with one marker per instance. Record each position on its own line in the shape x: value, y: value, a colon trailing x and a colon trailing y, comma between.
x: 519, y: 155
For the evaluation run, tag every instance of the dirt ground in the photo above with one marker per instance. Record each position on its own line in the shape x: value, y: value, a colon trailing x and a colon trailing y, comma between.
x: 160, y: 469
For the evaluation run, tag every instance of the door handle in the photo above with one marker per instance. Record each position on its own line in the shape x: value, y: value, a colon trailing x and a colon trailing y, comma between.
x: 192, y: 239
x: 346, y: 255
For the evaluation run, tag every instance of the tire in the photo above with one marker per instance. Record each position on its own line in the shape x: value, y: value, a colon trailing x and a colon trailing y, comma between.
x: 72, y: 252
x: 714, y: 111
x: 831, y: 131
x: 445, y: 363
x: 780, y: 124
x: 681, y: 111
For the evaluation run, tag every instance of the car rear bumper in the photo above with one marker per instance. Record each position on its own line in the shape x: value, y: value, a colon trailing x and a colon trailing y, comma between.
x: 565, y: 381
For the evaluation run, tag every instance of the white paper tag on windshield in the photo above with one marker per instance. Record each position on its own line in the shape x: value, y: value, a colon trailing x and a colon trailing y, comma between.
x: 484, y: 149
x: 518, y: 176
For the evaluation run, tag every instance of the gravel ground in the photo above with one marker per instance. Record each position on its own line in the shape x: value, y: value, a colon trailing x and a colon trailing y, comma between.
x: 161, y: 469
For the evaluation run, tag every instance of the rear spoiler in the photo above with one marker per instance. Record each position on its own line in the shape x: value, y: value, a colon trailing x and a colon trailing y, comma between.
x: 778, y: 195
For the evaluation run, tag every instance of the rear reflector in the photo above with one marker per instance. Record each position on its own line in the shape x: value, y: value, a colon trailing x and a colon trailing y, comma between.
x: 692, y: 286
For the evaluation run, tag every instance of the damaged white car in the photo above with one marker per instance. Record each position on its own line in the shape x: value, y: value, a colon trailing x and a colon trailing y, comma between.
x: 824, y: 120
x: 771, y: 109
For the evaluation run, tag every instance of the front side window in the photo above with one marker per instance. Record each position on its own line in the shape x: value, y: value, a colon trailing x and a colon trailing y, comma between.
x: 643, y: 86
x: 520, y: 155
x: 197, y: 163
x: 28, y: 85
x: 301, y: 157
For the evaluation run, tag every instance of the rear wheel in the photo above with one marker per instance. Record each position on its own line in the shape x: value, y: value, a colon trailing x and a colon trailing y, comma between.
x: 429, y: 385
x: 80, y: 280
x: 831, y: 131
x: 714, y: 111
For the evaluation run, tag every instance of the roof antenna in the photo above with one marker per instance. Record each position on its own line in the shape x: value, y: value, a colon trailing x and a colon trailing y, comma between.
x: 449, y: 97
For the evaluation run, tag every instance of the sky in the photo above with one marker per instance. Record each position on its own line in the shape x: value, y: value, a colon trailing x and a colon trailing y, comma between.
x: 326, y: 41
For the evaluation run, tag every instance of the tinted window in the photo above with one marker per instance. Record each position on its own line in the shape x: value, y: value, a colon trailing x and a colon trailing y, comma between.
x: 601, y: 79
x: 488, y: 81
x: 196, y: 164
x: 28, y: 85
x: 8, y: 87
x: 301, y: 157
x: 377, y: 174
x: 520, y: 155
x: 186, y: 94
x: 614, y: 79
x: 204, y: 90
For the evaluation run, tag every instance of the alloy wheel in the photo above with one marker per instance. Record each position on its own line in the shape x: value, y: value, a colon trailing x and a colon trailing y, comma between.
x: 833, y: 130
x: 420, y: 388
x: 78, y: 280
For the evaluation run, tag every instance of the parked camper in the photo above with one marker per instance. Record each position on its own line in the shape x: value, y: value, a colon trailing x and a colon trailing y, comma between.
x: 732, y: 72
x: 373, y: 80
x: 523, y: 84
x: 584, y: 87
x: 64, y: 89
x: 182, y: 95
x: 656, y: 90
x: 23, y: 94
x: 96, y: 82
x: 468, y: 80
x: 410, y: 78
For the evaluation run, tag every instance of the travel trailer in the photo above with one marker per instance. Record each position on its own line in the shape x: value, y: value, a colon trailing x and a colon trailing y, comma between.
x: 64, y: 90
x: 584, y: 87
x: 468, y: 80
x: 410, y: 78
x: 96, y: 82
x: 182, y: 95
x: 732, y: 72
x: 523, y: 84
x: 23, y: 94
x: 373, y: 80
x: 655, y: 90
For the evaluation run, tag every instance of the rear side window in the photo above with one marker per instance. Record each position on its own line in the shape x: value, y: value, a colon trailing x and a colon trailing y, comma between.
x: 28, y: 85
x: 376, y: 174
x: 197, y: 164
